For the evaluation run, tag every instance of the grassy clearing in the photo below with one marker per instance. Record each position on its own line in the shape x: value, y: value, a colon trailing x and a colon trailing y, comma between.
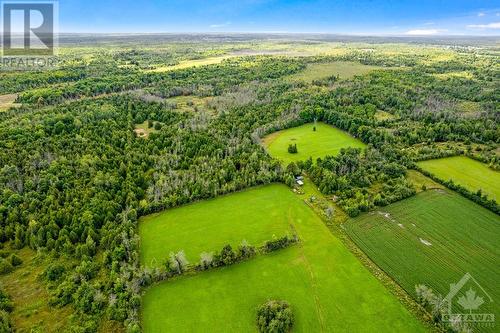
x: 433, y: 238
x: 327, y: 287
x: 383, y: 115
x: 31, y: 310
x: 326, y: 140
x: 254, y: 215
x: 7, y: 101
x: 344, y: 69
x: 189, y: 103
x: 419, y: 180
x: 142, y: 130
x: 191, y: 63
x: 467, y: 172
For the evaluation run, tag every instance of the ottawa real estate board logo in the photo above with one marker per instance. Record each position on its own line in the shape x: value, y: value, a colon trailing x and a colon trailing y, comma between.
x: 466, y: 303
x: 29, y: 36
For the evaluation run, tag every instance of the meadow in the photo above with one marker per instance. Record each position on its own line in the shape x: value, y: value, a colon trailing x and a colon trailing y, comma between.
x: 327, y: 287
x: 343, y: 69
x: 326, y: 140
x: 433, y: 238
x: 467, y: 172
x: 254, y: 215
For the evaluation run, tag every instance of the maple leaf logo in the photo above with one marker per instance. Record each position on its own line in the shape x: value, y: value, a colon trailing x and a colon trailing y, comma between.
x: 470, y: 301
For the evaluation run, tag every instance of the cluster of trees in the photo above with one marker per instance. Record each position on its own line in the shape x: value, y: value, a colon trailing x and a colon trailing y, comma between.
x: 436, y: 305
x: 292, y: 148
x: 6, y: 306
x: 203, y: 81
x: 275, y: 317
x: 359, y: 179
x: 177, y: 263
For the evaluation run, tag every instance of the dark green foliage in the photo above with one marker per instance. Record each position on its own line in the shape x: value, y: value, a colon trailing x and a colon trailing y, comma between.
x: 5, y: 325
x: 275, y: 317
x: 5, y: 302
x: 279, y: 243
x: 292, y: 148
x: 5, y: 266
x: 54, y: 271
x: 15, y: 260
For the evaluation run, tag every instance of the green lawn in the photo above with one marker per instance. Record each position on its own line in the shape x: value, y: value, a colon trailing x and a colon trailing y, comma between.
x: 467, y: 172
x: 326, y: 285
x: 326, y: 140
x: 344, y: 69
x: 433, y: 238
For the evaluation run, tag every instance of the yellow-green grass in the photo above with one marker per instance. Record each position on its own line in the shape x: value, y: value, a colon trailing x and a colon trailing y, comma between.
x: 433, y: 238
x: 383, y: 115
x: 189, y: 103
x: 467, y: 172
x: 142, y: 130
x: 7, y: 101
x: 344, y: 69
x: 327, y: 287
x: 326, y: 140
x: 32, y: 312
x: 421, y: 182
x: 190, y: 63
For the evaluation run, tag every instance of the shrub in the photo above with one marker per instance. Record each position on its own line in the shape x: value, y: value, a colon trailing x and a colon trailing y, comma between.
x: 292, y: 149
x: 275, y: 316
x: 5, y: 302
x: 5, y: 267
x: 54, y: 272
x: 15, y: 260
x: 5, y: 322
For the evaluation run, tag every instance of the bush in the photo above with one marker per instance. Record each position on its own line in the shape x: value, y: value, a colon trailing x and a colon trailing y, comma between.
x: 292, y: 149
x: 15, y: 260
x: 5, y: 322
x: 54, y: 272
x: 275, y: 316
x: 5, y: 267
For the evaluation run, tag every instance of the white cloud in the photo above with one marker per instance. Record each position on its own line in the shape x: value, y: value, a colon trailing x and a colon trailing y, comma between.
x: 220, y: 25
x: 424, y: 32
x: 480, y: 14
x: 494, y: 25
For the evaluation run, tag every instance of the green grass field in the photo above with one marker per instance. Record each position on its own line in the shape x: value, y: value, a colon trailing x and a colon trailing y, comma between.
x: 467, y: 172
x: 344, y: 69
x: 327, y: 287
x: 433, y: 238
x: 209, y: 225
x: 326, y: 140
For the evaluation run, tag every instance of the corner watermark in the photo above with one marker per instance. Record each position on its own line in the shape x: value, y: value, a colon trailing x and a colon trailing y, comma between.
x: 29, y: 34
x: 465, y: 303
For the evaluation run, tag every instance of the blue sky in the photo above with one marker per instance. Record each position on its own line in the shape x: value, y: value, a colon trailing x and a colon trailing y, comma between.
x: 418, y: 17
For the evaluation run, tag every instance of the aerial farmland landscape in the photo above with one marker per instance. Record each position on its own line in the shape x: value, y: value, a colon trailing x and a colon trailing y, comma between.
x: 253, y: 166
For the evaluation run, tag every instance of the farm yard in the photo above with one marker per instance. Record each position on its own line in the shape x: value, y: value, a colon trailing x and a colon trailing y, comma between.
x: 433, y: 238
x: 467, y: 172
x: 325, y: 140
x: 315, y: 275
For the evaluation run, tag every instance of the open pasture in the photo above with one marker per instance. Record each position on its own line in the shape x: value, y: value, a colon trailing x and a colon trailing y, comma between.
x: 326, y: 140
x: 433, y: 238
x: 327, y: 287
x: 467, y: 172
